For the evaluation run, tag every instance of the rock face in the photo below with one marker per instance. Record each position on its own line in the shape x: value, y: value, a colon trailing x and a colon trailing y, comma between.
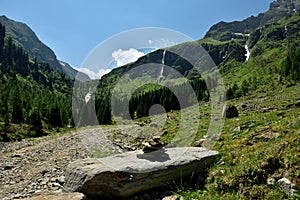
x: 129, y: 173
x: 230, y: 111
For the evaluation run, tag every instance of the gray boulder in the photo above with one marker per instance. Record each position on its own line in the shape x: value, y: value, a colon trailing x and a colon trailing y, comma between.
x: 286, y: 186
x: 230, y: 111
x: 129, y: 173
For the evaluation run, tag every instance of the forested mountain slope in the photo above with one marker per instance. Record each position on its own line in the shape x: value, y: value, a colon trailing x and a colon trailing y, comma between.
x: 33, y: 94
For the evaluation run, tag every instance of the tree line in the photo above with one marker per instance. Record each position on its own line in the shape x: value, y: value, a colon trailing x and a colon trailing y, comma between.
x: 138, y: 105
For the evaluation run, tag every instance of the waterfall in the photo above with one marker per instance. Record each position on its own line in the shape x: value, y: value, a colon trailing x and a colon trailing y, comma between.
x: 161, y: 76
x: 163, y: 57
x: 248, y: 52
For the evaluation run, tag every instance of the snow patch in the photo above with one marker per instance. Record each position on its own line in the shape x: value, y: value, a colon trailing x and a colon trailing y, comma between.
x: 61, y: 63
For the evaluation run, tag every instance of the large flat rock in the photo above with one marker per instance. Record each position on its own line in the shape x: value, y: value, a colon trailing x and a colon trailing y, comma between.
x: 126, y: 174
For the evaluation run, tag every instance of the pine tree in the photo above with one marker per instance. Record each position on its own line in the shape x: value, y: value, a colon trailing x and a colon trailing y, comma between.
x: 6, y: 115
x: 55, y: 117
x: 36, y: 122
x: 17, y: 108
x: 229, y: 93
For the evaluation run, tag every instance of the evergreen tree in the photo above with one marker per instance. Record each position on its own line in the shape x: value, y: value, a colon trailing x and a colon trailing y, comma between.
x: 55, y: 117
x: 245, y: 87
x: 291, y: 65
x: 17, y: 111
x: 229, y: 93
x: 36, y: 122
x: 6, y: 118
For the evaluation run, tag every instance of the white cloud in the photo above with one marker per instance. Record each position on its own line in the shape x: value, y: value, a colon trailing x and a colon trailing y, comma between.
x: 103, y: 72
x: 90, y: 73
x: 122, y: 57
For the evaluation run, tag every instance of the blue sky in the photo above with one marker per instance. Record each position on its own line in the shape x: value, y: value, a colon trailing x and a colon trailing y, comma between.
x: 73, y: 28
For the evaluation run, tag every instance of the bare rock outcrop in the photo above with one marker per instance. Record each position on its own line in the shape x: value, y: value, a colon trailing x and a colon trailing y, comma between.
x: 126, y: 174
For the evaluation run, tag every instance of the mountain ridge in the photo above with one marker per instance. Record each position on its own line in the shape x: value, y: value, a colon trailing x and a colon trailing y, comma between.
x: 24, y: 36
x: 277, y: 10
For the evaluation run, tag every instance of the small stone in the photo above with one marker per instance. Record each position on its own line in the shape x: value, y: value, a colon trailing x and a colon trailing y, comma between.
x: 61, y: 179
x: 38, y: 191
x: 53, y: 179
x: 8, y: 166
x: 221, y: 162
x: 117, y: 140
x: 237, y: 129
x: 156, y: 138
x: 56, y: 185
x: 55, y: 188
x: 18, y: 196
x: 206, y: 136
x: 270, y: 181
x: 152, y: 142
x: 199, y: 143
x: 173, y: 197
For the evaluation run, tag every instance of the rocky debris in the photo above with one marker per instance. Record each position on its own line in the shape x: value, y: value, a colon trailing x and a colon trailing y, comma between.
x: 129, y: 173
x: 294, y: 105
x: 230, y: 111
x: 286, y: 186
x: 153, y: 144
x: 38, y: 165
x: 58, y: 196
x: 267, y: 136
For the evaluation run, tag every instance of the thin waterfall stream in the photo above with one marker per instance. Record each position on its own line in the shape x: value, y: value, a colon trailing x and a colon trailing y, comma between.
x: 161, y: 76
